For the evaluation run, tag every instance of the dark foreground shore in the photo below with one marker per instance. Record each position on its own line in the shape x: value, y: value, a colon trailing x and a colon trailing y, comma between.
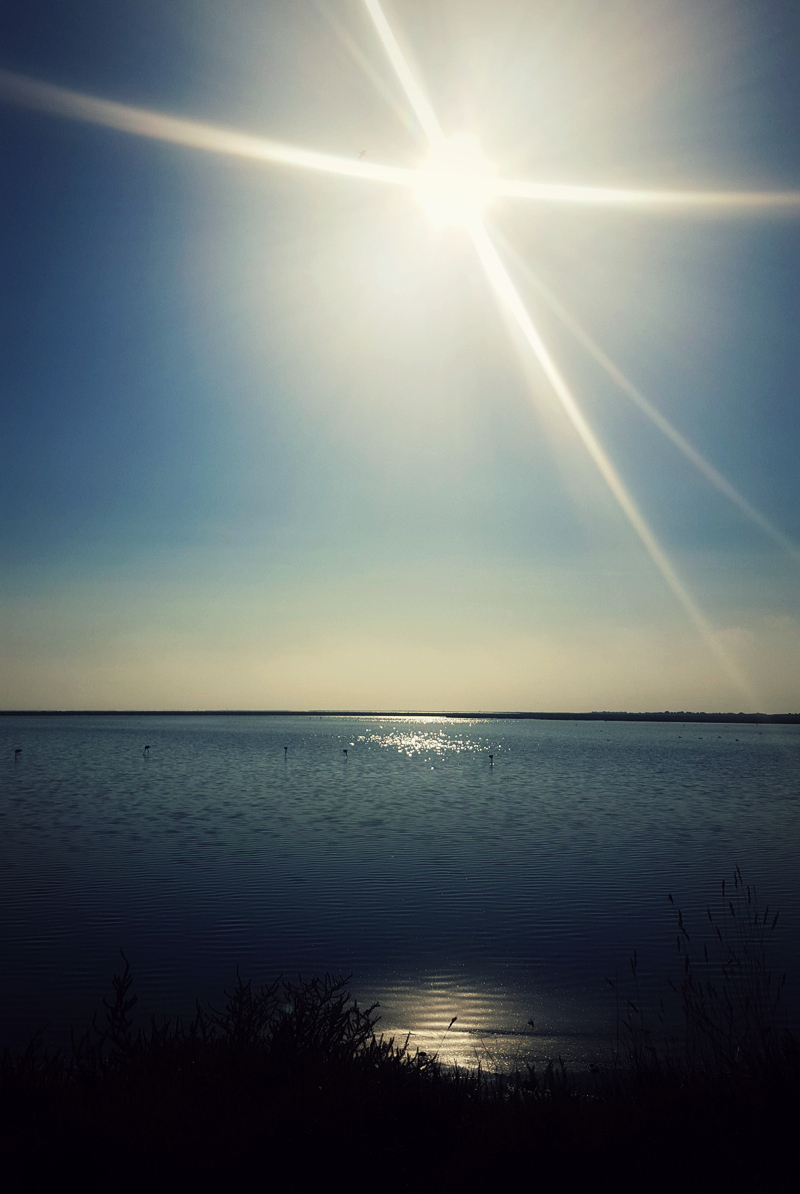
x: 290, y: 1087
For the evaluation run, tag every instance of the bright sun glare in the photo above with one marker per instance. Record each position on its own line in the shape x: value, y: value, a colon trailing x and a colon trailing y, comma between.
x: 456, y: 183
x: 454, y: 186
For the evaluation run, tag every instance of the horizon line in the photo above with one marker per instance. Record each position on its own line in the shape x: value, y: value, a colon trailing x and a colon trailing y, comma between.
x: 509, y: 714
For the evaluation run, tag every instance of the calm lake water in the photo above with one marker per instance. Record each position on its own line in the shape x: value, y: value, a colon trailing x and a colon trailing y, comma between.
x: 445, y: 885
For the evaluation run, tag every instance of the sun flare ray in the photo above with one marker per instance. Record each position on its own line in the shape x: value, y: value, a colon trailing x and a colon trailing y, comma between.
x: 551, y: 192
x: 142, y: 122
x: 416, y: 96
x: 636, y: 396
x: 510, y: 300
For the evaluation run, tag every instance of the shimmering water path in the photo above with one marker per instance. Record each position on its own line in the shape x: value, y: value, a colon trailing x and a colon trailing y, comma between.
x: 445, y: 884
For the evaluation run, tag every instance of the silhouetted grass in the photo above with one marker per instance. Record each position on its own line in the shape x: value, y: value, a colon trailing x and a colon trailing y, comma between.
x: 290, y: 1085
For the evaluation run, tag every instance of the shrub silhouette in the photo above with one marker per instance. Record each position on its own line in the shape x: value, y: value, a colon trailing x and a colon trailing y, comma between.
x: 291, y: 1082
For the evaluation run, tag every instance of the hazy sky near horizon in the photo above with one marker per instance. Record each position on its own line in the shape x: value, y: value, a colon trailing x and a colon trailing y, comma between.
x: 268, y: 440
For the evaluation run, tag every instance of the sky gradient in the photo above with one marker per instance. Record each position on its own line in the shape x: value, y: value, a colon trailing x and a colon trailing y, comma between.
x: 269, y: 439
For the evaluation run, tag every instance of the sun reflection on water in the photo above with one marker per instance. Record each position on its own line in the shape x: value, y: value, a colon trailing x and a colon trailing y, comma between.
x: 411, y: 743
x: 466, y: 1025
x: 424, y: 743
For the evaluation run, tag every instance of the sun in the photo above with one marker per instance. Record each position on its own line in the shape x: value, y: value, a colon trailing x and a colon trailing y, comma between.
x: 456, y: 183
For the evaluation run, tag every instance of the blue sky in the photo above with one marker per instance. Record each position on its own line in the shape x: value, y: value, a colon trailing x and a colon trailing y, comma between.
x: 269, y: 440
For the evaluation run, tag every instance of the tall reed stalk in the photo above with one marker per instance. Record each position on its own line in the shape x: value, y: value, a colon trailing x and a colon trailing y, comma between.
x: 735, y: 1021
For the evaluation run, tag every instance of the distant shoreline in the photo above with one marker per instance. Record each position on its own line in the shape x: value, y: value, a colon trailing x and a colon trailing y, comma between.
x: 603, y: 715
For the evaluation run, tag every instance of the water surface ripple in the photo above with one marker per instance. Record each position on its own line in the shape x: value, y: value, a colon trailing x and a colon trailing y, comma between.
x: 445, y: 884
